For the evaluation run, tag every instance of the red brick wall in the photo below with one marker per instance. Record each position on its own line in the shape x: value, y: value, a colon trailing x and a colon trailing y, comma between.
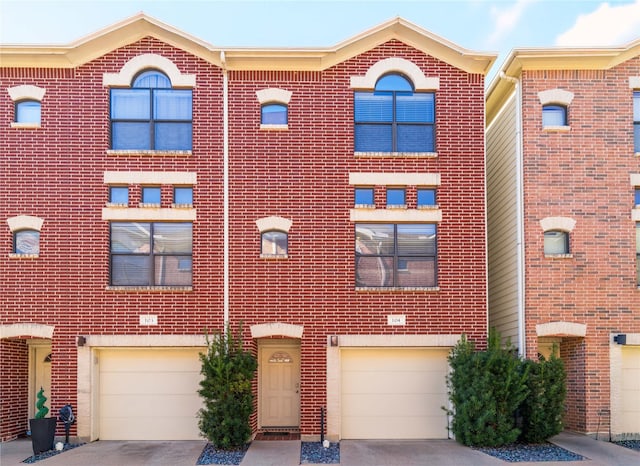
x: 14, y: 387
x: 302, y: 174
x: 583, y: 174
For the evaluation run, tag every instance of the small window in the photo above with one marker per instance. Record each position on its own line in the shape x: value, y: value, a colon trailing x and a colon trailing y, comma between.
x: 28, y: 111
x: 274, y: 114
x: 395, y: 197
x: 274, y: 243
x: 151, y: 195
x: 364, y: 196
x: 637, y: 201
x: 26, y: 242
x: 426, y: 197
x: 556, y: 243
x: 636, y: 121
x: 638, y: 253
x: 119, y: 195
x: 554, y: 115
x: 183, y: 195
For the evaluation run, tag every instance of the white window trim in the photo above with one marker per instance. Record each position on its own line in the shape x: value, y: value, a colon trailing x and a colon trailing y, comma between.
x: 558, y: 223
x: 273, y: 223
x: 142, y: 62
x: 398, y: 65
x: 26, y: 92
x: 275, y: 95
x: 556, y: 96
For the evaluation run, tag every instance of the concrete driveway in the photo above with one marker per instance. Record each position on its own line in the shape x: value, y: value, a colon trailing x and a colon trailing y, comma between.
x: 287, y: 453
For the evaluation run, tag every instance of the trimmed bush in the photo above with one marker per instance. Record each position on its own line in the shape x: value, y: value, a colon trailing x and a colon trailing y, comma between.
x: 226, y: 388
x: 542, y: 410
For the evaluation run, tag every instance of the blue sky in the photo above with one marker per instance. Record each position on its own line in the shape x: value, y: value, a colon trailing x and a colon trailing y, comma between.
x: 480, y: 25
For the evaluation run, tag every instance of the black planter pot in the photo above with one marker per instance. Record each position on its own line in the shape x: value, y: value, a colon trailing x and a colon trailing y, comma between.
x: 43, y: 433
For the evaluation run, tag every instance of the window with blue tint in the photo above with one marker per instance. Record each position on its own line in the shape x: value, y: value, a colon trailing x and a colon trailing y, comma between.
x: 183, y: 195
x: 554, y: 115
x: 637, y: 202
x: 394, y: 118
x: 151, y: 115
x: 395, y: 255
x: 396, y: 197
x: 151, y: 195
x: 636, y: 121
x: 28, y: 111
x: 274, y: 243
x: 150, y: 254
x: 119, y: 195
x: 274, y: 114
x: 364, y: 196
x: 426, y: 197
x: 26, y: 242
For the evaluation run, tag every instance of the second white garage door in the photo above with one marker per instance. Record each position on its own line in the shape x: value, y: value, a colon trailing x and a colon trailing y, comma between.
x: 630, y: 390
x: 149, y: 394
x: 394, y: 393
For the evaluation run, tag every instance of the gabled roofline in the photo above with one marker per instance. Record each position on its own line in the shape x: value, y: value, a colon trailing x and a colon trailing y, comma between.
x: 553, y: 58
x: 139, y: 26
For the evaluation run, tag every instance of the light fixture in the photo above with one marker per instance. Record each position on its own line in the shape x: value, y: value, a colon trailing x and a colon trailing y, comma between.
x: 334, y: 340
x: 82, y: 340
x: 620, y: 339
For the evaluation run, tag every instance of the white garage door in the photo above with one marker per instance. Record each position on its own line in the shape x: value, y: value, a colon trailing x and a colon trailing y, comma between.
x: 149, y: 394
x: 630, y: 390
x: 394, y: 393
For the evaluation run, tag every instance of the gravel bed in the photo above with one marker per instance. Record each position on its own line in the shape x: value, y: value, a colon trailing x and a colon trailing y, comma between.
x: 520, y: 452
x: 315, y: 453
x: 632, y: 444
x: 50, y: 453
x: 211, y: 455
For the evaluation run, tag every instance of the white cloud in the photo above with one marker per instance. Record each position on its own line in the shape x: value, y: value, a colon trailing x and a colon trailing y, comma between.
x: 506, y: 19
x: 607, y: 25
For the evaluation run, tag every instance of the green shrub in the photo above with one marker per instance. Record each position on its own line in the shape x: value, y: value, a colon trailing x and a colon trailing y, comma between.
x: 542, y: 410
x: 485, y: 388
x: 226, y: 388
x: 42, y: 410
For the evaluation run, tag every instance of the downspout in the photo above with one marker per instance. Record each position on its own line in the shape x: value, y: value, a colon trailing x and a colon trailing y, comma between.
x: 225, y: 190
x: 520, y: 272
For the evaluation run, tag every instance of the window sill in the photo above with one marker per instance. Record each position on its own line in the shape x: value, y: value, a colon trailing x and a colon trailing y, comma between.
x: 397, y: 154
x: 148, y: 205
x: 557, y: 129
x: 115, y: 205
x: 558, y: 256
x: 364, y: 206
x: 149, y: 153
x: 182, y: 206
x: 428, y: 289
x: 397, y: 207
x: 274, y: 256
x: 15, y: 124
x: 150, y: 288
x: 274, y: 127
x: 14, y: 255
x: 428, y: 207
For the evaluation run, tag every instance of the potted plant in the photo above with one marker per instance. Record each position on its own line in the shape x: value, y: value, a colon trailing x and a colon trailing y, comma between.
x: 43, y: 429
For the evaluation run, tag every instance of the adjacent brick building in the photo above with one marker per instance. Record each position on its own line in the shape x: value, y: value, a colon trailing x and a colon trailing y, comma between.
x: 563, y: 184
x: 154, y: 187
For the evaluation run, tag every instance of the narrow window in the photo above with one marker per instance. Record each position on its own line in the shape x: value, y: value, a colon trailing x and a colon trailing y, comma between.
x: 151, y: 195
x: 274, y: 114
x: 556, y: 242
x: 274, y: 243
x: 396, y: 197
x: 638, y: 253
x: 637, y: 197
x: 394, y: 118
x: 636, y: 121
x: 554, y: 115
x: 426, y: 197
x: 183, y: 195
x: 28, y: 111
x: 151, y: 254
x: 364, y: 196
x: 119, y: 195
x: 26, y: 242
x: 151, y: 115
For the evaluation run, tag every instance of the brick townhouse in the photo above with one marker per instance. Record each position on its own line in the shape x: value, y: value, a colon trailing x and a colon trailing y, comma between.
x: 563, y: 193
x: 331, y: 200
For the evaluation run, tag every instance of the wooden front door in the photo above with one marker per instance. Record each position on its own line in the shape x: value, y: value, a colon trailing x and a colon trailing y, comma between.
x: 41, y: 366
x: 279, y: 380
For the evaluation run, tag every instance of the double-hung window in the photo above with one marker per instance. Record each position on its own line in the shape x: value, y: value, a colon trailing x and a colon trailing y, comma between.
x: 394, y: 118
x: 151, y: 254
x: 151, y: 115
x: 395, y: 255
x: 636, y: 121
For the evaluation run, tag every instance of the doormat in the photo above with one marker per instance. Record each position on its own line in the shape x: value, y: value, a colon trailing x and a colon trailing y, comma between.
x: 275, y: 435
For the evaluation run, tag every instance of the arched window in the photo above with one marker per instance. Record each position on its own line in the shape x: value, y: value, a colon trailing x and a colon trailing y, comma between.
x: 394, y: 118
x: 26, y: 242
x: 151, y: 115
x: 556, y: 242
x: 274, y: 243
x: 28, y: 111
x: 554, y: 115
x: 274, y: 114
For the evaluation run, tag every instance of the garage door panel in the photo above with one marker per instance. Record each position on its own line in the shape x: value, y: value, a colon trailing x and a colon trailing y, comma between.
x: 630, y: 422
x: 149, y: 394
x: 394, y: 393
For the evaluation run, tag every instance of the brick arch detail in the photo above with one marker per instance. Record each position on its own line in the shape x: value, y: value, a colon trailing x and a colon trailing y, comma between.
x: 273, y: 329
x: 26, y: 329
